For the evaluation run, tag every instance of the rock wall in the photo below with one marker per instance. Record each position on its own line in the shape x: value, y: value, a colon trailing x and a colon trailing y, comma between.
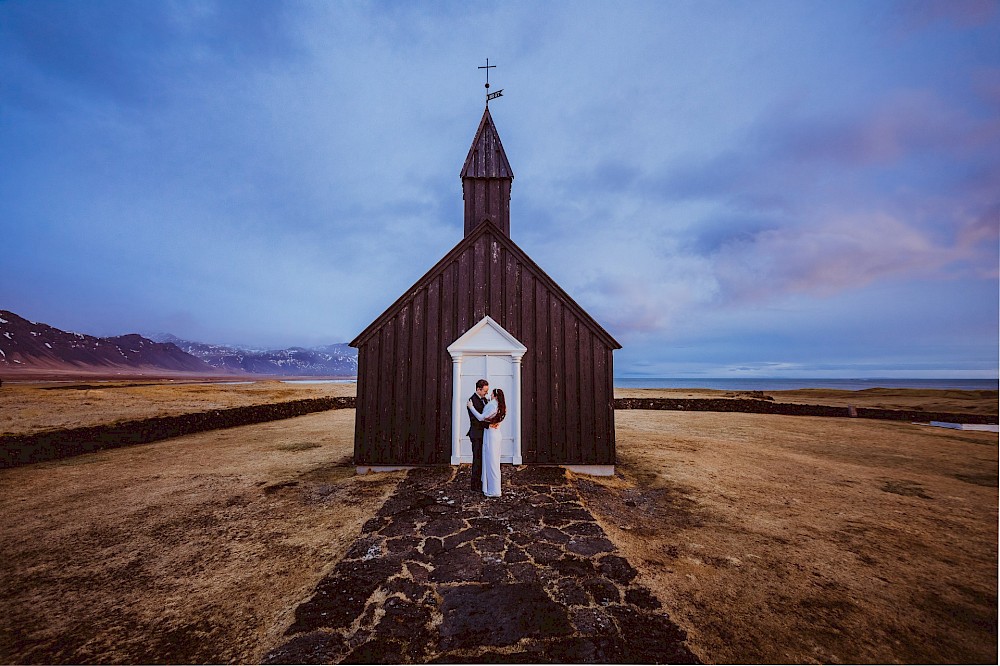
x: 18, y: 450
x: 791, y: 409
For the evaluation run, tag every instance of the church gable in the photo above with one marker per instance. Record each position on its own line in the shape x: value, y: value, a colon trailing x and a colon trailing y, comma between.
x: 486, y: 273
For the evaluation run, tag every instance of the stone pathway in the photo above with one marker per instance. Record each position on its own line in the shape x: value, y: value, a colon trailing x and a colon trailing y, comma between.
x: 443, y: 575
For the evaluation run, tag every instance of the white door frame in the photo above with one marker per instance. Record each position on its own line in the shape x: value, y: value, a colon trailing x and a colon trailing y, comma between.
x: 487, y: 338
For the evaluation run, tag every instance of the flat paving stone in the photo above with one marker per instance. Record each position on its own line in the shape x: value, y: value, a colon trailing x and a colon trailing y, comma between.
x: 473, y: 615
x: 457, y: 565
x: 590, y: 546
x: 523, y: 572
x: 617, y: 568
x: 443, y: 527
x: 445, y: 575
x: 433, y: 546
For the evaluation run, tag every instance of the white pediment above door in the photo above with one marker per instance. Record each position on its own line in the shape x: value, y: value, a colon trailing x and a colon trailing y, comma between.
x: 487, y: 337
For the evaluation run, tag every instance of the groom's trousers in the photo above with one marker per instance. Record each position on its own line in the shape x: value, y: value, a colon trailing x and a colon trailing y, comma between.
x: 477, y: 462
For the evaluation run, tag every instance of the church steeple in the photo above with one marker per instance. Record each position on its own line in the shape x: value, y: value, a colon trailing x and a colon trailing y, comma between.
x: 486, y: 179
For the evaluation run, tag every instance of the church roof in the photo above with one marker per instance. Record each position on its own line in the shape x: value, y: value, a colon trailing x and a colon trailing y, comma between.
x: 486, y: 157
x: 499, y: 237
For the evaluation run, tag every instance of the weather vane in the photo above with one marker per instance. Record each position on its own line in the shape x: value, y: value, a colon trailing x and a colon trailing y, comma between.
x: 490, y: 95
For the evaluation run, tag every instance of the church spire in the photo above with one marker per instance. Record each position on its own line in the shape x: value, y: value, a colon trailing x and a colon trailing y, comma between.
x: 486, y: 179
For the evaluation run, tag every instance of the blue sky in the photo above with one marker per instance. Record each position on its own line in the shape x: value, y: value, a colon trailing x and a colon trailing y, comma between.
x: 763, y: 188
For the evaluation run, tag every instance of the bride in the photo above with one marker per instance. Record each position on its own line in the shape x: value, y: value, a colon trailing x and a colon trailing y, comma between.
x: 493, y: 413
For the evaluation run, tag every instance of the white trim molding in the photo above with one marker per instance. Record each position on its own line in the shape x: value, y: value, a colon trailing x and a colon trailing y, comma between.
x: 456, y: 408
x: 486, y: 338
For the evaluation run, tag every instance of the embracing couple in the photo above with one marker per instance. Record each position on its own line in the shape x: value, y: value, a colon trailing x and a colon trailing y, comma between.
x: 485, y: 416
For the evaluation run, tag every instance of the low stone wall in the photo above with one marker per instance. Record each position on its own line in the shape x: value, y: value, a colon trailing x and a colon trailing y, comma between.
x: 16, y: 450
x: 791, y: 409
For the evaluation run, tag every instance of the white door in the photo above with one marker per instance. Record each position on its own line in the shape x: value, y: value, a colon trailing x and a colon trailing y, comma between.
x: 498, y: 370
x: 486, y: 351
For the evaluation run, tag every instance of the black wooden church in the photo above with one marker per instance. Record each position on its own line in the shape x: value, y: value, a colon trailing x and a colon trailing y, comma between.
x: 485, y: 310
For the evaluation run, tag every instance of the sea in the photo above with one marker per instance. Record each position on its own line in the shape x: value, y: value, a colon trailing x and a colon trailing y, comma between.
x: 789, y: 384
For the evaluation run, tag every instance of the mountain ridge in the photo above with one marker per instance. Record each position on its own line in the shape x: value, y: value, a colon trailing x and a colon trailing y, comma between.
x: 26, y: 345
x: 339, y: 359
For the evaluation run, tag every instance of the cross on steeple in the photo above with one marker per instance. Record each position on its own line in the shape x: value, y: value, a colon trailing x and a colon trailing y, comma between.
x: 490, y: 95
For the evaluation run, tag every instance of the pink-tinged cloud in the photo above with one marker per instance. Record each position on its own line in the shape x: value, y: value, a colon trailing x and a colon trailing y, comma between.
x: 977, y: 241
x: 905, y: 124
x: 980, y: 230
x: 919, y: 14
x: 842, y: 253
x: 986, y: 82
x: 644, y: 290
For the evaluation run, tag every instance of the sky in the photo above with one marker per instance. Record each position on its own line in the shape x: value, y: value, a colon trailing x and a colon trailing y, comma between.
x: 794, y: 188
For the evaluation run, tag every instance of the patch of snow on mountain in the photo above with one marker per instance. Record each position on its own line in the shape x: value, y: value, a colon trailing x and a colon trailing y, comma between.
x: 7, y: 335
x: 48, y: 345
x: 3, y: 321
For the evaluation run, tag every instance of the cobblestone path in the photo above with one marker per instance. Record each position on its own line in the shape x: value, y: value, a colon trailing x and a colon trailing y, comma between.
x: 443, y: 575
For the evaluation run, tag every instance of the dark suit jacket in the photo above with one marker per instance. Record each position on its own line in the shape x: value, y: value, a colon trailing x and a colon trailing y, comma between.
x: 476, y: 427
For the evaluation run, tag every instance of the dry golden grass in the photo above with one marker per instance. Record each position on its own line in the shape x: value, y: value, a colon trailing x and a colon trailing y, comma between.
x: 801, y: 539
x: 31, y: 407
x: 770, y: 538
x: 191, y: 550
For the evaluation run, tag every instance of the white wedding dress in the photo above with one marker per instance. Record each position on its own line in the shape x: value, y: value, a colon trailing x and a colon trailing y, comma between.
x: 491, y: 451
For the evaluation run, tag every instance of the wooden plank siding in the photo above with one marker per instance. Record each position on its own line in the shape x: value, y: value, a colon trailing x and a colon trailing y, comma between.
x: 543, y: 376
x: 487, y: 199
x: 433, y: 371
x: 557, y: 388
x: 571, y: 384
x: 405, y: 371
x: 587, y: 398
x: 486, y: 179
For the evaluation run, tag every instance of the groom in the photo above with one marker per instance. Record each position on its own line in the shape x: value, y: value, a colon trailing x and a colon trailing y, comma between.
x: 476, y: 428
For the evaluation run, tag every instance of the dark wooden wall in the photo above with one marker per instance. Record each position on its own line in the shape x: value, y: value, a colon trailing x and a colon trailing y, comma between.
x: 405, y: 370
x: 487, y: 199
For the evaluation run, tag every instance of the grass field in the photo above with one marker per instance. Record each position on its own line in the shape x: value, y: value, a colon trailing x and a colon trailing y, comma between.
x: 769, y: 538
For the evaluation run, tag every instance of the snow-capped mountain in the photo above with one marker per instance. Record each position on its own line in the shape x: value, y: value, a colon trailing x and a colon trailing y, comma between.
x: 26, y: 344
x: 337, y: 360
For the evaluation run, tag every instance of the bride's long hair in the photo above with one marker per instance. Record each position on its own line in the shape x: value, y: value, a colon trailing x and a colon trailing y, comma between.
x: 501, y: 407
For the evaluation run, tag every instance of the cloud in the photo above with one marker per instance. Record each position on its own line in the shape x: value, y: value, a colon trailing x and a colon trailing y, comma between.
x: 920, y: 14
x: 837, y: 254
x: 908, y: 189
x: 904, y: 125
x: 903, y: 188
x: 71, y: 51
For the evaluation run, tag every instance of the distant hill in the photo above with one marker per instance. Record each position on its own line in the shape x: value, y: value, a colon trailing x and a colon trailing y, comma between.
x: 337, y: 360
x: 28, y: 345
x: 32, y: 345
